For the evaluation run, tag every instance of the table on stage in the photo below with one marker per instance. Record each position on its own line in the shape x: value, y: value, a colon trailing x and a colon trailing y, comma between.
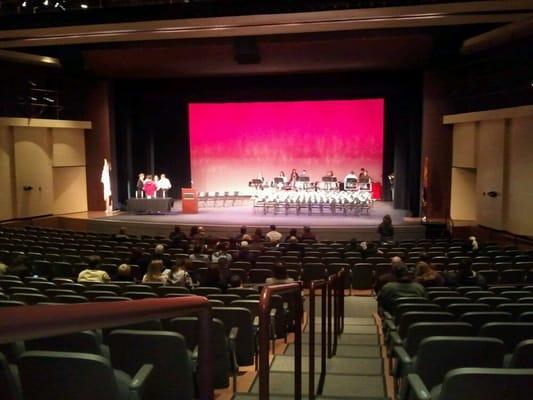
x: 150, y: 205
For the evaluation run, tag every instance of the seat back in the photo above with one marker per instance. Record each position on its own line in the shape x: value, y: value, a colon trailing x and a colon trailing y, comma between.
x: 242, y: 319
x: 80, y: 342
x: 487, y: 384
x: 188, y: 327
x: 511, y: 333
x: 225, y: 298
x: 479, y: 318
x: 9, y: 385
x: 172, y: 376
x: 47, y: 375
x: 413, y: 317
x: 515, y: 308
x: 459, y: 309
x: 438, y: 355
x: 422, y: 330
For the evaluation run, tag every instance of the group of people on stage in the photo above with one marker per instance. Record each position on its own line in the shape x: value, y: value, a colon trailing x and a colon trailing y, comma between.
x: 152, y: 187
x: 302, y: 181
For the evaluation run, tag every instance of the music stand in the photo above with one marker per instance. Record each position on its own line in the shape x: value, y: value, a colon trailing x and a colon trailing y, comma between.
x: 256, y: 183
x: 303, y: 181
x: 329, y: 181
x: 351, y: 184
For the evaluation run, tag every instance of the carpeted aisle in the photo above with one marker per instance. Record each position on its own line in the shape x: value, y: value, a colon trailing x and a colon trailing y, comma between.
x: 356, y: 372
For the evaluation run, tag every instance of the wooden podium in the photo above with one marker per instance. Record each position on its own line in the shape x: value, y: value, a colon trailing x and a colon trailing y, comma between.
x: 189, y: 201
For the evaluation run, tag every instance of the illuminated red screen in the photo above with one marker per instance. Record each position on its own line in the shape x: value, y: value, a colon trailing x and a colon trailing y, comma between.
x: 232, y: 143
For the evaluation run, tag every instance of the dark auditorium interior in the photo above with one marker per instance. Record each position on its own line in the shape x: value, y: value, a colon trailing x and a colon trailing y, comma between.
x: 150, y: 249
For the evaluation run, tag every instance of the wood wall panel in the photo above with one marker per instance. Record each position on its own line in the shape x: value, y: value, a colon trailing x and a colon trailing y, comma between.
x: 7, y: 179
x: 70, y: 190
x: 69, y: 147
x: 464, y: 145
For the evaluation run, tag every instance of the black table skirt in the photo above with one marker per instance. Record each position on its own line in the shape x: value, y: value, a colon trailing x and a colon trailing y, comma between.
x: 150, y: 205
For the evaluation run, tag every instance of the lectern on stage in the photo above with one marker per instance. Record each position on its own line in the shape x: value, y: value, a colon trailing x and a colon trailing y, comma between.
x: 189, y: 201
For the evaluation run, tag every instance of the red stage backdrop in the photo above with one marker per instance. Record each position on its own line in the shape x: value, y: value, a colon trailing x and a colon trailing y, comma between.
x: 232, y: 143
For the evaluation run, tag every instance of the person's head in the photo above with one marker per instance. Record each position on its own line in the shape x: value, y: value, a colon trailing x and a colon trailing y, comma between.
x: 293, y: 232
x: 194, y: 230
x: 353, y: 242
x: 156, y: 178
x: 123, y: 230
x: 422, y: 268
x: 148, y: 177
x: 94, y: 261
x: 352, y: 172
x: 280, y: 270
x: 281, y: 173
x: 259, y: 232
x: 387, y: 219
x: 400, y: 270
x: 163, y: 176
x: 124, y: 270
x: 293, y: 239
x: 272, y: 227
x: 235, y: 281
x: 246, y: 237
x: 155, y: 268
x: 136, y: 252
x: 201, y: 230
x: 177, y: 229
x: 293, y: 171
x: 243, y: 230
x: 330, y: 173
x: 244, y: 244
x: 141, y: 175
x: 159, y: 249
x: 307, y: 229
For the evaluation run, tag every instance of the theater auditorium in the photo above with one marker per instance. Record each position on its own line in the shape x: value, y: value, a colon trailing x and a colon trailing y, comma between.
x: 239, y: 200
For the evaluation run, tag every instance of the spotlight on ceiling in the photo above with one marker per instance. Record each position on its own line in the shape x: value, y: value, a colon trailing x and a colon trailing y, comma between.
x: 84, y: 6
x: 45, y: 3
x: 48, y: 99
x: 24, y: 3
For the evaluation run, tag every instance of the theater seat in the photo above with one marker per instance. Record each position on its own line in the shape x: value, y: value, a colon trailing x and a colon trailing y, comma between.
x: 523, y: 355
x: 172, y: 377
x: 477, y: 384
x: 9, y: 381
x: 49, y: 375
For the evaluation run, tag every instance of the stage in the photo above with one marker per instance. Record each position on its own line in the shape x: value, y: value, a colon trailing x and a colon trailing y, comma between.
x: 219, y: 221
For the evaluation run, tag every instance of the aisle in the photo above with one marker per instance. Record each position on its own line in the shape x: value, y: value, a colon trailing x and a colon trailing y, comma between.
x: 356, y: 372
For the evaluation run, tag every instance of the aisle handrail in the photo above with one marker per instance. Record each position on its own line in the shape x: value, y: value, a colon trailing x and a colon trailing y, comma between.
x: 264, y: 329
x: 317, y: 284
x: 38, y: 321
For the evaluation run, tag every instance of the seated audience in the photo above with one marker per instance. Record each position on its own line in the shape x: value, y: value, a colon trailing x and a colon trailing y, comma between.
x: 197, y: 234
x: 353, y: 246
x: 18, y: 267
x: 241, y: 233
x: 369, y: 249
x: 221, y: 250
x: 177, y: 275
x: 465, y: 276
x: 257, y: 245
x: 308, y: 235
x: 3, y: 268
x: 258, y: 235
x: 294, y: 245
x: 279, y: 275
x: 155, y: 273
x: 123, y: 274
x: 198, y: 254
x: 122, y: 235
x: 402, y: 287
x: 159, y: 254
x: 244, y: 252
x: 292, y: 232
x: 93, y: 274
x: 472, y: 246
x: 273, y: 235
x: 235, y: 281
x: 137, y: 257
x: 427, y: 276
x: 217, y: 275
x: 390, y: 276
x: 177, y: 235
x: 385, y: 229
x: 425, y: 257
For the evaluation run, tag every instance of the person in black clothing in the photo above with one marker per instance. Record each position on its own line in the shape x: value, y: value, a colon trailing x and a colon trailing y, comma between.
x: 353, y: 246
x: 177, y: 235
x: 18, y: 267
x: 241, y: 233
x: 292, y: 233
x: 464, y: 276
x: 123, y: 274
x: 294, y: 245
x: 396, y: 262
x: 385, y: 229
x: 122, y: 235
x: 403, y: 286
x: 218, y: 274
x: 137, y: 257
x: 369, y: 249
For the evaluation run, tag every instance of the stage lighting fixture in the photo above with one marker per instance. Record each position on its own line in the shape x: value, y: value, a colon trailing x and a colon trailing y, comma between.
x: 24, y: 4
x: 49, y: 99
x: 45, y: 3
x: 84, y: 6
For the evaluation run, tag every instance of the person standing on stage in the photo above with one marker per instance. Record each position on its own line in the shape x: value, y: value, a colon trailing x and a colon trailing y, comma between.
x: 149, y: 187
x: 350, y: 181
x: 293, y: 178
x: 140, y: 186
x: 158, y: 188
x: 364, y: 180
x: 164, y: 185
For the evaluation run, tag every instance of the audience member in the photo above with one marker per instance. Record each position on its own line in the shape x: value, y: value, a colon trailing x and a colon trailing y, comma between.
x: 235, y: 281
x: 177, y: 275
x: 217, y: 275
x: 93, y: 274
x: 427, y: 276
x: 155, y: 273
x: 123, y: 274
x: 241, y: 233
x: 273, y: 235
x: 292, y: 233
x: 221, y: 250
x: 280, y: 275
x: 389, y: 276
x: 137, y: 257
x: 3, y: 268
x: 177, y: 235
x: 353, y: 246
x: 465, y: 276
x: 244, y: 252
x: 385, y: 229
x: 425, y: 257
x: 258, y: 235
x: 198, y: 254
x: 402, y: 287
x: 257, y: 246
x: 369, y: 249
x: 122, y: 235
x: 294, y: 245
x: 472, y: 246
x: 159, y: 254
x: 308, y: 235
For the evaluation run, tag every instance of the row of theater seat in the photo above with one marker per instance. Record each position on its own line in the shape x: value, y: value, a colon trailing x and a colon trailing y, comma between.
x: 428, y: 338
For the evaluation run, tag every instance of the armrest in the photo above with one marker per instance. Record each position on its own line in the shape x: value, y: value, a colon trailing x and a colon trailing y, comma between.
x: 194, y: 355
x: 139, y: 380
x: 420, y: 390
x: 232, y: 338
x: 401, y: 354
x: 387, y: 315
x: 255, y: 322
x: 273, y: 313
x: 390, y: 325
x: 233, y: 334
x: 395, y: 339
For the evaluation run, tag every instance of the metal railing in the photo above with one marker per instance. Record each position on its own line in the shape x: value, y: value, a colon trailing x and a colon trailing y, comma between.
x: 322, y: 285
x: 265, y: 305
x: 32, y: 322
